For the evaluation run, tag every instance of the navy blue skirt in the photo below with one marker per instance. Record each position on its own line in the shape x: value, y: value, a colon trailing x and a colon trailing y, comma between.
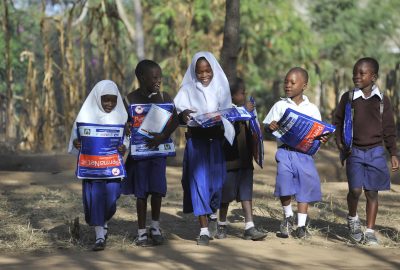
x: 145, y: 177
x: 203, y: 176
x: 100, y: 200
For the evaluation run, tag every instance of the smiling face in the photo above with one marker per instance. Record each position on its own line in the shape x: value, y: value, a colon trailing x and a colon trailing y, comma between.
x: 108, y: 102
x: 295, y: 83
x: 204, y: 72
x: 151, y: 80
x: 364, y: 76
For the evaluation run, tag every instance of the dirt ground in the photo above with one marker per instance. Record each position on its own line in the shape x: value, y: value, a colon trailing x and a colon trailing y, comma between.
x: 40, y: 199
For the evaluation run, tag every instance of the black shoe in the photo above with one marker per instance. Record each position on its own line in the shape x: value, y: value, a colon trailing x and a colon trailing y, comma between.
x: 286, y: 227
x: 105, y: 233
x: 99, y: 245
x: 212, y: 227
x: 158, y: 239
x: 302, y: 233
x: 254, y: 234
x: 143, y: 242
x: 203, y: 240
x: 221, y: 232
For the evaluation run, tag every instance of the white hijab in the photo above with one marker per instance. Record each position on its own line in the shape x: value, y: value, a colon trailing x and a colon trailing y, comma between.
x: 194, y: 96
x: 92, y: 112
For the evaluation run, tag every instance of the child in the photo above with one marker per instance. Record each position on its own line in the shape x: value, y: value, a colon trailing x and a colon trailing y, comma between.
x: 239, y: 164
x: 366, y: 168
x: 204, y: 89
x: 147, y: 176
x: 296, y: 172
x: 104, y: 105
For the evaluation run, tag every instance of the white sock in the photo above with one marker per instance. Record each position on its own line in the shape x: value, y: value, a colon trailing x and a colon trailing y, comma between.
x: 204, y: 231
x: 141, y: 233
x: 353, y: 218
x: 223, y: 223
x: 248, y: 225
x: 155, y: 224
x: 288, y: 210
x: 213, y: 216
x: 301, y: 219
x: 99, y: 232
x: 155, y: 227
x: 368, y: 230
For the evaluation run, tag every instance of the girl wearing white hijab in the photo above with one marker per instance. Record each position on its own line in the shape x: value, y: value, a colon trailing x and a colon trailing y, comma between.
x: 204, y: 89
x: 103, y: 105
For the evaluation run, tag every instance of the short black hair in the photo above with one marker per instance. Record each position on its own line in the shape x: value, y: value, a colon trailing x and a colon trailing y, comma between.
x: 143, y: 66
x: 237, y: 85
x: 300, y: 70
x: 371, y: 61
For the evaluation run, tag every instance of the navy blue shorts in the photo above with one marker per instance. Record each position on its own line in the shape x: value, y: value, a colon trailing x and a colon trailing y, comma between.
x: 238, y: 185
x: 368, y: 169
x: 297, y: 175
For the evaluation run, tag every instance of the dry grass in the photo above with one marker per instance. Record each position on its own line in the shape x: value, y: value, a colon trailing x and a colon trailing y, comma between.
x: 42, y: 218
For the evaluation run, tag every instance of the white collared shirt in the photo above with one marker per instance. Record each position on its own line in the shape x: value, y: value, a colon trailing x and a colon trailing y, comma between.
x: 375, y: 91
x: 279, y: 108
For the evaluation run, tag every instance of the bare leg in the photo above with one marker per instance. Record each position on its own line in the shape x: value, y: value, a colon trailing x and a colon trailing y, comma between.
x: 141, y: 208
x: 302, y: 207
x: 352, y: 200
x: 203, y: 221
x: 248, y: 210
x: 223, y: 211
x: 285, y: 200
x: 155, y: 207
x: 372, y: 207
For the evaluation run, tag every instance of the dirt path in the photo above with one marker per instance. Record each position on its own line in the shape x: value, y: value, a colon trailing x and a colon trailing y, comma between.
x: 36, y: 209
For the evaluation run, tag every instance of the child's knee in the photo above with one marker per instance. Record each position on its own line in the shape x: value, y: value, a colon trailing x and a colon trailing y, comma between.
x: 355, y: 193
x: 371, y: 195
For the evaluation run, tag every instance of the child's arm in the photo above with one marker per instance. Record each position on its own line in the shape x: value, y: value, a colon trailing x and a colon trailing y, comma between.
x: 273, y: 126
x: 395, y: 164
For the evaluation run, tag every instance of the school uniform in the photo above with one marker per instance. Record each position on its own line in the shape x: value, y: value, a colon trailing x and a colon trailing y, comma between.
x: 296, y: 171
x: 99, y: 196
x: 238, y: 184
x: 204, y: 163
x: 146, y: 176
x: 366, y: 167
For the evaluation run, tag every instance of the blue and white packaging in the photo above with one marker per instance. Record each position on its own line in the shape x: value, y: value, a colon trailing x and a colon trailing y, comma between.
x: 99, y: 157
x: 258, y: 141
x: 301, y: 131
x: 214, y: 118
x: 139, y: 149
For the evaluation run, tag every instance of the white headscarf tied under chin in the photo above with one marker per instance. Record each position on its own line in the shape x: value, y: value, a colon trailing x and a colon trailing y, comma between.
x: 92, y: 112
x: 194, y: 96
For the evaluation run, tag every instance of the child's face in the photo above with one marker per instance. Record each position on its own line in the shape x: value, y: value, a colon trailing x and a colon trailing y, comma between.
x: 204, y: 73
x: 363, y: 75
x: 151, y: 80
x: 295, y: 84
x: 108, y: 102
x: 239, y: 98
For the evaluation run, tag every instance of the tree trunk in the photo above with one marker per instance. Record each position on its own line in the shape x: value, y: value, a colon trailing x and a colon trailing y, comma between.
x: 230, y: 47
x: 11, y: 131
x: 31, y: 104
x: 135, y: 34
x: 49, y: 138
x: 139, y: 30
